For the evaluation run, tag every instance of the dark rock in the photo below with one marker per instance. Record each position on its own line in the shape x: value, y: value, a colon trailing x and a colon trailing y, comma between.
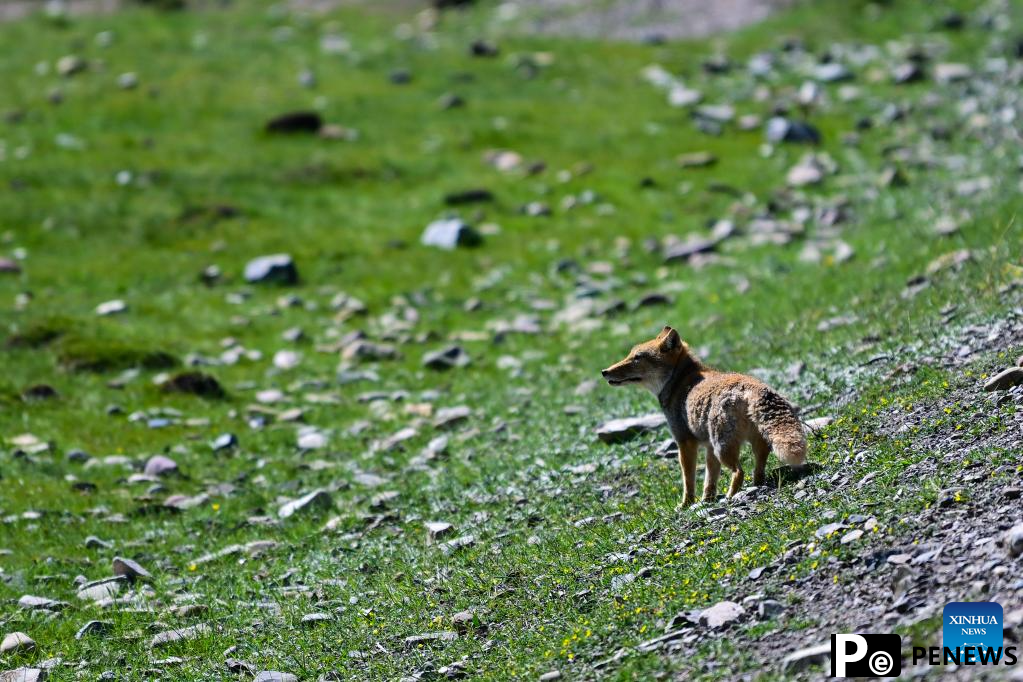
x: 483, y: 48
x: 39, y: 392
x: 130, y: 568
x: 295, y: 122
x: 781, y: 129
x: 447, y: 358
x: 277, y: 268
x: 468, y: 196
x: 195, y: 383
x: 94, y: 627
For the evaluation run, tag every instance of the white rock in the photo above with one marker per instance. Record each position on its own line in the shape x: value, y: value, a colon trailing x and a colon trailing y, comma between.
x: 16, y: 641
x: 113, y: 307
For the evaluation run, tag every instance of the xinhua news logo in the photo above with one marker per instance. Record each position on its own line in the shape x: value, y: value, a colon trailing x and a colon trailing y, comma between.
x: 971, y: 635
x: 866, y: 655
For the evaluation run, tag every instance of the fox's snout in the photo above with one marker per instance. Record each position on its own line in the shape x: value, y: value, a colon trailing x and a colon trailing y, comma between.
x: 605, y: 372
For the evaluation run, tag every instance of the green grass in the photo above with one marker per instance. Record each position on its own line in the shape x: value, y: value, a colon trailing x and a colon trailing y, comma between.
x: 351, y: 212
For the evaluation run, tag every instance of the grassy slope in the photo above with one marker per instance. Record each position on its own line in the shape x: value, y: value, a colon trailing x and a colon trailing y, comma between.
x: 191, y: 132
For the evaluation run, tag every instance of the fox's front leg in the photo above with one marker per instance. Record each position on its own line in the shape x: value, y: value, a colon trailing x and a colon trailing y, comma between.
x: 687, y: 460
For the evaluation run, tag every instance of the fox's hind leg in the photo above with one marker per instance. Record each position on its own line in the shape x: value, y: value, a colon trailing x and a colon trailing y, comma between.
x: 710, y: 476
x: 761, y: 449
x: 728, y: 454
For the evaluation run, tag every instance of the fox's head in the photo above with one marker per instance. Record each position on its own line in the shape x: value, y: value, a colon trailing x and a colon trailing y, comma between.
x: 650, y: 363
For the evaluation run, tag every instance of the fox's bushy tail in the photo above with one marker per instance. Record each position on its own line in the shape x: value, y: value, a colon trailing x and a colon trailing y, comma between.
x: 778, y: 423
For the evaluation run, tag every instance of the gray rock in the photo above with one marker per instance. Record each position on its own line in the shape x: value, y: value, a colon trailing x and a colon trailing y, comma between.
x: 621, y: 430
x: 317, y: 500
x: 1005, y: 379
x: 129, y: 568
x: 951, y: 73
x: 16, y: 642
x: 436, y: 530
x: 447, y: 358
x: 278, y: 268
x: 832, y: 72
x: 179, y: 635
x: 722, y: 614
x: 33, y: 603
x: 769, y: 608
x: 311, y: 619
x: 450, y: 233
x: 94, y: 627
x: 682, y: 251
x: 450, y: 416
x: 159, y: 465
x: 98, y: 590
x: 829, y: 529
x: 1014, y: 540
x: 23, y: 675
x: 781, y: 129
x: 550, y: 676
x: 804, y: 658
x: 274, y: 676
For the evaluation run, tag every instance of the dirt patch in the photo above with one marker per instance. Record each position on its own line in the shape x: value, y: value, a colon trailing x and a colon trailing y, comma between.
x: 644, y: 19
x: 638, y: 20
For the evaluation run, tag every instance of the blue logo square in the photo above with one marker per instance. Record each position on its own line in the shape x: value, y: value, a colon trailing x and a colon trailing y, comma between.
x: 972, y: 624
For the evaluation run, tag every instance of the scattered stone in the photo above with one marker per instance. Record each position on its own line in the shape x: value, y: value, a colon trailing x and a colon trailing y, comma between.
x: 851, y: 536
x: 451, y: 416
x: 312, y: 619
x: 295, y: 122
x: 804, y: 658
x: 463, y: 620
x: 832, y: 72
x: 24, y: 675
x: 70, y: 65
x: 277, y: 268
x: 1014, y: 540
x: 94, y: 627
x: 194, y: 383
x: 947, y: 73
x: 16, y: 642
x: 696, y: 160
x: 9, y: 266
x: 129, y: 568
x: 722, y: 614
x: 682, y: 251
x: 807, y: 172
x: 179, y: 635
x: 770, y: 608
x: 114, y: 307
x: 550, y: 676
x: 468, y: 196
x: 99, y: 590
x: 160, y: 465
x: 436, y: 530
x: 1005, y: 379
x: 33, y: 603
x: 39, y: 392
x: 226, y: 441
x: 274, y: 676
x: 450, y: 233
x: 317, y: 500
x: 447, y: 358
x: 781, y: 129
x: 621, y: 430
x: 829, y: 529
x: 483, y: 48
x: 452, y: 546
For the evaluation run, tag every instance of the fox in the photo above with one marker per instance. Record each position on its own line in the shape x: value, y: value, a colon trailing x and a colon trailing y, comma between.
x: 718, y: 410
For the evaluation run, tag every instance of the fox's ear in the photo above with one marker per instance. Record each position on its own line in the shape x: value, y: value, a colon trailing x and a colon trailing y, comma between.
x: 664, y: 332
x: 671, y: 341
